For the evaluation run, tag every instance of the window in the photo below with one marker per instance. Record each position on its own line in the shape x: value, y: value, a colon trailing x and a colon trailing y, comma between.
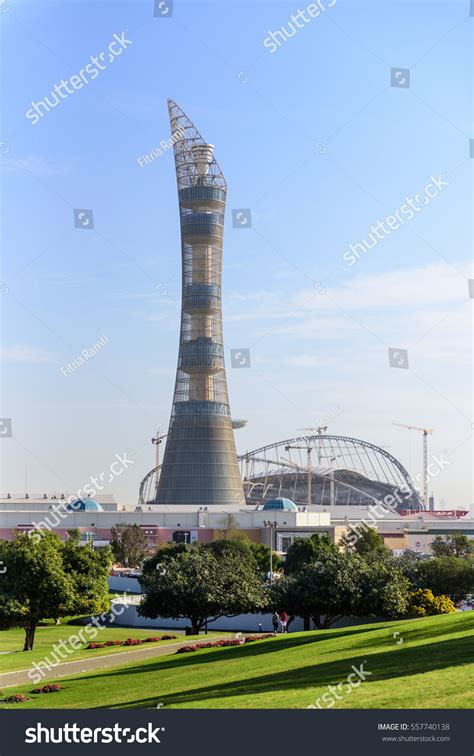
x: 182, y: 536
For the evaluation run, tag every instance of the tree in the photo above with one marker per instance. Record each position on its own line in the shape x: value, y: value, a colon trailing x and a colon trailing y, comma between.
x: 385, y: 590
x: 201, y: 587
x: 229, y: 528
x: 129, y: 545
x: 166, y: 551
x: 450, y: 576
x: 89, y: 570
x: 257, y: 554
x: 240, y: 547
x: 261, y: 555
x: 453, y: 545
x: 48, y: 579
x: 339, y: 585
x: 324, y: 590
x: 422, y: 603
x: 305, y: 551
x: 366, y: 542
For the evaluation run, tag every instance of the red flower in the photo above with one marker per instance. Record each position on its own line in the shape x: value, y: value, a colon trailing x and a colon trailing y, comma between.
x: 17, y: 698
x: 52, y: 688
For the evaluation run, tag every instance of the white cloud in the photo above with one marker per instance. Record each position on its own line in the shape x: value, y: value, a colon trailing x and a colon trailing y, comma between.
x: 39, y: 166
x: 25, y: 353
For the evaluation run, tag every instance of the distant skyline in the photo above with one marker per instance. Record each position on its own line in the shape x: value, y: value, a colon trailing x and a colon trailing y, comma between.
x: 322, y: 140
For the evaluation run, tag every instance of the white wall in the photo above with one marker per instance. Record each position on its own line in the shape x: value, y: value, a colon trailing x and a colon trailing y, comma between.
x: 244, y: 622
x: 120, y: 584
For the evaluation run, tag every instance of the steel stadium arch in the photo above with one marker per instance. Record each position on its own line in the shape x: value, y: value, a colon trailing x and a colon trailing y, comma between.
x: 318, y: 470
x: 326, y: 470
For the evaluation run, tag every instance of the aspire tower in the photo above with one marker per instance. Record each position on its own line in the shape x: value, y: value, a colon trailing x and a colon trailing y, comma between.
x: 200, y: 462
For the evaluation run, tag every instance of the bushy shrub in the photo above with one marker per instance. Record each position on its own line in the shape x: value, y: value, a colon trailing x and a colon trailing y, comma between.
x: 423, y: 603
x: 132, y: 642
x: 168, y: 637
x: 444, y: 605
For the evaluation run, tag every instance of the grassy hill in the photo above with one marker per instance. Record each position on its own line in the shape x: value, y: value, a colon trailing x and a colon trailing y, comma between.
x: 433, y: 667
x: 47, y: 634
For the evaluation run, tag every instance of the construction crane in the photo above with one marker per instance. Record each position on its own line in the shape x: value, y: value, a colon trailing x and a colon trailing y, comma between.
x: 309, y: 470
x: 319, y: 430
x: 426, y: 432
x: 157, y: 440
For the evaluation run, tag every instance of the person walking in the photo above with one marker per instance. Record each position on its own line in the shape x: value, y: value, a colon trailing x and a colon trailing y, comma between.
x: 284, y: 622
x: 275, y: 621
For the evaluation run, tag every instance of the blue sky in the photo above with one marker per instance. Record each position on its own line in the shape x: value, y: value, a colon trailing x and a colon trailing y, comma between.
x: 314, y: 140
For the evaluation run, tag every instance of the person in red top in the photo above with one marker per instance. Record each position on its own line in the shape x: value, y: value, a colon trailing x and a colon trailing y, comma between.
x: 284, y: 622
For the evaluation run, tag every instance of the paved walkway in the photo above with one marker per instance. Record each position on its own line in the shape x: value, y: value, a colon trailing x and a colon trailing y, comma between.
x: 65, y: 669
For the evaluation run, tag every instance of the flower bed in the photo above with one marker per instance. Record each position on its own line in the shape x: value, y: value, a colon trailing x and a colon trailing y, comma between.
x: 223, y: 643
x: 48, y: 689
x: 132, y: 641
x: 17, y: 698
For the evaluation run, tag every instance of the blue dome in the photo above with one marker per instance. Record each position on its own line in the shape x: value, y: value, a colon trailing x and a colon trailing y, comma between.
x: 285, y: 505
x: 83, y: 505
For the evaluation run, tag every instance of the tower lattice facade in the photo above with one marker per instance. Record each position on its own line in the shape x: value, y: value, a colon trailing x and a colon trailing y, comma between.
x: 200, y: 462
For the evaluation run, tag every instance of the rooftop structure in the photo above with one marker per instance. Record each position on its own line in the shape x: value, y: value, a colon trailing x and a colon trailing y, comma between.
x: 84, y: 505
x: 280, y: 504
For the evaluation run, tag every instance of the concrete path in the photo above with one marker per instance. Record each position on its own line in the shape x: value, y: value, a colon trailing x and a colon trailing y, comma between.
x: 65, y: 669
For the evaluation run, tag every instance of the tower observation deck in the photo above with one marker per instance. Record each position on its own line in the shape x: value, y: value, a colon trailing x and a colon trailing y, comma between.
x: 200, y: 462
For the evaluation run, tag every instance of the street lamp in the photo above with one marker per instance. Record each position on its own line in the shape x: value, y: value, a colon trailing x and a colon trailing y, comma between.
x: 272, y: 526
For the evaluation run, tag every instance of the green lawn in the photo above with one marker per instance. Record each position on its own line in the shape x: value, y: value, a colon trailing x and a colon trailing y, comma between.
x: 432, y: 668
x: 48, y: 633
